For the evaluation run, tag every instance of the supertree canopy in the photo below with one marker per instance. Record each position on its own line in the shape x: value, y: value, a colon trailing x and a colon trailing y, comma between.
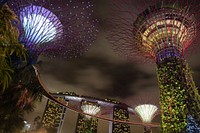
x: 146, y: 112
x: 90, y: 108
x: 40, y: 25
x: 161, y: 31
x: 55, y: 28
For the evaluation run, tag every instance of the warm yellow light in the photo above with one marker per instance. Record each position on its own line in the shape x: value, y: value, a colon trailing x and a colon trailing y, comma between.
x: 155, y: 35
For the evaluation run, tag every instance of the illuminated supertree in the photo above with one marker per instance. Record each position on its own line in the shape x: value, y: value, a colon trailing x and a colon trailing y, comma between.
x: 88, y: 123
x: 161, y: 31
x: 146, y: 112
x: 51, y: 28
x: 63, y: 28
x: 90, y: 108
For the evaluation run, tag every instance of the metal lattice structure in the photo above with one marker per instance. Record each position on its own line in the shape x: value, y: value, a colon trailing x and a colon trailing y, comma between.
x: 161, y: 31
x: 63, y: 28
x: 153, y: 29
x: 90, y: 108
x: 146, y: 113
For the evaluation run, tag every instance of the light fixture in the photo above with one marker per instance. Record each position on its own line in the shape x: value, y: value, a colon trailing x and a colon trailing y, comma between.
x: 90, y: 108
x: 146, y: 112
x: 27, y: 126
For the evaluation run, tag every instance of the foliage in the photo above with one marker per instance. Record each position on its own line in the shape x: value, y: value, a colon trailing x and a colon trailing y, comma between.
x: 19, y: 85
x: 120, y: 113
x: 172, y: 82
x: 85, y: 125
x: 27, y: 79
x: 20, y: 96
x: 9, y: 45
x: 12, y: 121
x: 193, y: 96
x: 6, y: 67
x: 178, y: 95
x: 192, y: 126
x: 9, y: 113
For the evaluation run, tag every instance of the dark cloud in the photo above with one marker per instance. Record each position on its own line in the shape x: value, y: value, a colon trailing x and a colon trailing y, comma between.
x: 117, y: 78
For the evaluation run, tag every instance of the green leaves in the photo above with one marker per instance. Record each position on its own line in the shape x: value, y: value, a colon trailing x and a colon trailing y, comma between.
x: 193, y: 96
x: 173, y: 98
x: 9, y: 46
x: 178, y: 95
x: 86, y: 125
x: 5, y: 76
x: 6, y: 64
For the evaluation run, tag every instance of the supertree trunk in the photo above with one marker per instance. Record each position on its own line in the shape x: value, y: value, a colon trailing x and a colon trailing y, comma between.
x: 147, y: 129
x: 85, y: 125
x: 173, y: 96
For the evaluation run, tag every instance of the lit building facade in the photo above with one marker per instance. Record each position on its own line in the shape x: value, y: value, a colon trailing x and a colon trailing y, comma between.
x: 120, y: 113
x: 87, y: 123
x: 54, y: 115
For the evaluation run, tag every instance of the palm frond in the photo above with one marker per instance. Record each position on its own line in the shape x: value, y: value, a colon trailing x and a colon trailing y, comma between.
x: 9, y: 45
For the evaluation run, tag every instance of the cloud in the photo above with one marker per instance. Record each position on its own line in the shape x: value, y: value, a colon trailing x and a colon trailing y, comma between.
x: 98, y: 74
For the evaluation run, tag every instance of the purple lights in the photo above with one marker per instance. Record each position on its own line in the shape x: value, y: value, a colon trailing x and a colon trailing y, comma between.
x: 40, y: 25
x: 56, y: 28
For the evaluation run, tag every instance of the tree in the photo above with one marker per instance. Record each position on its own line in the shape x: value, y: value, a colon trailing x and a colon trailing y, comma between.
x: 9, y: 45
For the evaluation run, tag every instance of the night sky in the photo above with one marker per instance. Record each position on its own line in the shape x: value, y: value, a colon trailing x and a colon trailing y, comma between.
x: 102, y: 73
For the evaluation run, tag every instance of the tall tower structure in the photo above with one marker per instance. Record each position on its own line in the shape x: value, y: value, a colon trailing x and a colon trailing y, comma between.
x: 161, y: 31
x: 120, y: 112
x: 55, y: 28
x: 54, y: 115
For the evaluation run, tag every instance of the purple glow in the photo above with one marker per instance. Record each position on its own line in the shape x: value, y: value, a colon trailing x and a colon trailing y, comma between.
x: 56, y: 28
x: 40, y: 25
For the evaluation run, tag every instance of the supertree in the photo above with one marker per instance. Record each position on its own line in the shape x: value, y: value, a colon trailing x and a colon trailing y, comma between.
x: 146, y: 112
x: 55, y: 28
x: 51, y: 28
x: 161, y: 31
x: 90, y: 108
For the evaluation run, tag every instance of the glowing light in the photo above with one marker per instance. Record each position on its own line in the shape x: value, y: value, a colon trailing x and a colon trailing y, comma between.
x: 40, y: 25
x: 91, y: 109
x: 55, y: 28
x: 27, y: 126
x: 146, y: 33
x: 146, y: 112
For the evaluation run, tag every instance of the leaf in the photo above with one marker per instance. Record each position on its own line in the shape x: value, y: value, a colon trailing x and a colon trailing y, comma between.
x: 12, y: 51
